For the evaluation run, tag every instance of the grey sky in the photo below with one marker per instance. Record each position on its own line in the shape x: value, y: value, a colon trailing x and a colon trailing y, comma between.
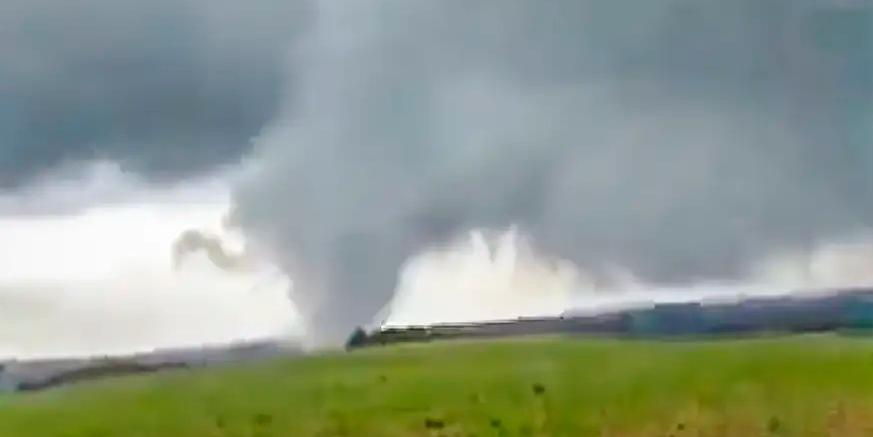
x: 166, y: 88
x: 681, y: 139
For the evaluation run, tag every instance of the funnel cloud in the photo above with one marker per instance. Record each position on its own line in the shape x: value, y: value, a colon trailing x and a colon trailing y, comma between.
x: 680, y: 140
x: 192, y: 241
x: 378, y: 150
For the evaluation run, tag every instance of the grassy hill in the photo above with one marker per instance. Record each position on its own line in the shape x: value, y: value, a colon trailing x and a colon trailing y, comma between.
x: 806, y: 385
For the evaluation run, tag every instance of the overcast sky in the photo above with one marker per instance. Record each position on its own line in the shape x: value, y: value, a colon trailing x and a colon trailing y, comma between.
x: 169, y: 89
x: 673, y: 141
x: 121, y: 126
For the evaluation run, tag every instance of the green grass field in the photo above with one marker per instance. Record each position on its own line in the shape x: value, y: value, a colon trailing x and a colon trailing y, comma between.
x: 807, y: 385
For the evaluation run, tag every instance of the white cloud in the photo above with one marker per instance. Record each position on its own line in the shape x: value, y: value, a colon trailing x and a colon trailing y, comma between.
x: 100, y: 280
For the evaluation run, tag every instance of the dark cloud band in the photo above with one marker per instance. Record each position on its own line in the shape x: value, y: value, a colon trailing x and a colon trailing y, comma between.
x: 166, y: 88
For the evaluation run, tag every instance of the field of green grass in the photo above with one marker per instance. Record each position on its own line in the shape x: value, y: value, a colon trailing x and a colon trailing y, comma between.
x: 805, y: 385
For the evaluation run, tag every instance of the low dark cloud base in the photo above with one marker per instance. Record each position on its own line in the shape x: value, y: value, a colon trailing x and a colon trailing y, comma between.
x: 168, y: 89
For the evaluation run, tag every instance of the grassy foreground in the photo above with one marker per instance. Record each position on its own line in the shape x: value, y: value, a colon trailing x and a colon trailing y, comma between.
x: 808, y: 385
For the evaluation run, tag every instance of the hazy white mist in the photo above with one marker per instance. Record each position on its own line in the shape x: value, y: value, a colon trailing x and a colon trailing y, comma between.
x: 100, y: 279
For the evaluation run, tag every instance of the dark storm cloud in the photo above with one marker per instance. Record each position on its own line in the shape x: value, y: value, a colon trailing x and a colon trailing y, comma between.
x: 682, y: 139
x: 166, y: 88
